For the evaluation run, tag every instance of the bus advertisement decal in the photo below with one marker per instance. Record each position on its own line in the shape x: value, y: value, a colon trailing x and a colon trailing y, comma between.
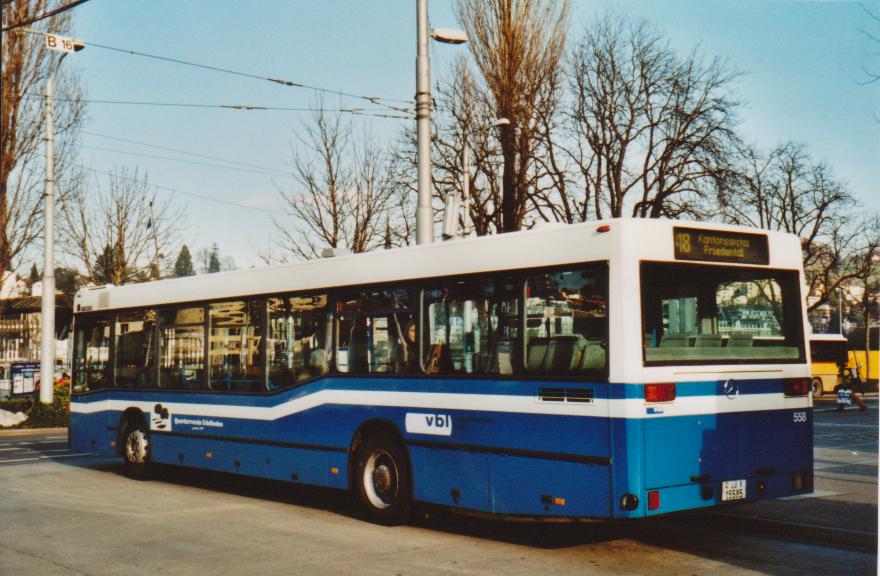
x: 160, y: 419
x: 195, y: 424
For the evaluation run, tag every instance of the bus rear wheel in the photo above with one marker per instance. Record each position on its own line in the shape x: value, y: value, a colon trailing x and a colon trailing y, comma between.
x: 382, y: 480
x: 136, y: 450
x: 817, y: 387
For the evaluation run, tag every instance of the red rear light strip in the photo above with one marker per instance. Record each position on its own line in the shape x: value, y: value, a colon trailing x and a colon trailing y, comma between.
x: 660, y: 392
x: 797, y: 386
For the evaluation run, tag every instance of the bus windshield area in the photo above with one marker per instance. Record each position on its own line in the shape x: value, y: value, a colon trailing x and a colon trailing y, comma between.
x: 828, y: 351
x: 696, y: 314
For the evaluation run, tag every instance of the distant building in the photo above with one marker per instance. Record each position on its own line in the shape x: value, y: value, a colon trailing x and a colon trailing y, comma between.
x: 20, y: 329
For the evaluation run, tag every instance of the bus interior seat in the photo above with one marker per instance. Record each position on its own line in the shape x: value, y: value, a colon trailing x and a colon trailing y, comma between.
x: 503, y: 356
x: 674, y: 340
x: 537, y: 352
x: 708, y: 341
x: 739, y: 340
x: 319, y: 362
x: 563, y: 354
x: 593, y: 358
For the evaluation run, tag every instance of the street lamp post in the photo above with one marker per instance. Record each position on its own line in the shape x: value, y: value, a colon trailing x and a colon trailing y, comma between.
x: 47, y: 302
x: 47, y: 308
x: 424, y: 213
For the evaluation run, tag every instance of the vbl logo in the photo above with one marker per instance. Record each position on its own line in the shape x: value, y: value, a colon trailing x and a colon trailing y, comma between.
x: 438, y: 420
x: 437, y: 424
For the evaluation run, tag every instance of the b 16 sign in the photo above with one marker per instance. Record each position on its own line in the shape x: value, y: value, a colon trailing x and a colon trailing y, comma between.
x: 61, y: 43
x: 719, y: 246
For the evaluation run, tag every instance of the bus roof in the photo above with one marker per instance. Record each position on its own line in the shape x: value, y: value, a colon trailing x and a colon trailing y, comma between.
x: 625, y: 239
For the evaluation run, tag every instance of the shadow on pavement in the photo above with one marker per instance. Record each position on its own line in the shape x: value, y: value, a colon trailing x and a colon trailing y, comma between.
x: 698, y: 534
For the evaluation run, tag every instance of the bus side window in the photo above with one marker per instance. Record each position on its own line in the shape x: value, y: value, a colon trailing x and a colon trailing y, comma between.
x: 235, y: 359
x: 182, y: 348
x: 134, y: 357
x: 472, y: 326
x: 299, y: 346
x: 92, y: 354
x: 566, y: 321
x: 376, y: 331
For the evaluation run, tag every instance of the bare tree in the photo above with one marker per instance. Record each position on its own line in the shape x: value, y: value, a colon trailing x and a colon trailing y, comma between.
x: 120, y: 232
x: 652, y: 130
x: 518, y: 46
x: 209, y: 261
x: 345, y: 196
x: 864, y: 267
x: 785, y: 189
x: 26, y: 64
x: 872, y: 74
x: 466, y: 118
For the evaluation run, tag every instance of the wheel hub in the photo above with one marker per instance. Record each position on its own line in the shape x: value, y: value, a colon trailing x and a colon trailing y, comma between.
x: 136, y: 447
x: 380, y: 479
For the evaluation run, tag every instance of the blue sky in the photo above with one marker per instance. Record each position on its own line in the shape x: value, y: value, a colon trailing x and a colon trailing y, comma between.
x: 801, y: 63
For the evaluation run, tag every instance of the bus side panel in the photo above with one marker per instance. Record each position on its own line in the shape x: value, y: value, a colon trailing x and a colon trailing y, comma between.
x: 859, y: 359
x: 450, y: 477
x: 628, y: 465
x: 535, y: 486
x: 684, y: 455
x: 91, y: 432
x: 683, y: 450
x: 305, y: 466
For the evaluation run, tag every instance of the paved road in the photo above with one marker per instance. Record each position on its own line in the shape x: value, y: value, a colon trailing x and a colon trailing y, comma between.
x: 70, y: 514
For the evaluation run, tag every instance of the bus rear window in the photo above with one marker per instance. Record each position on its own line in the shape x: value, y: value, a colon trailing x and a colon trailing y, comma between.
x: 695, y: 314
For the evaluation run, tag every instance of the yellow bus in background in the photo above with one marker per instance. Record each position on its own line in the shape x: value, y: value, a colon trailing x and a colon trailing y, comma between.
x: 827, y: 351
x: 857, y: 354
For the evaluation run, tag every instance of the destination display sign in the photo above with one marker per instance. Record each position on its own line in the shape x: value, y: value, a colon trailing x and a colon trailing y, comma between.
x: 719, y: 246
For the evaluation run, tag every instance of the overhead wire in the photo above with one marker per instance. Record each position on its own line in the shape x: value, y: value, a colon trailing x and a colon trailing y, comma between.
x: 241, y: 107
x: 381, y: 101
x: 193, y: 194
x: 183, y: 161
x: 45, y: 15
x: 185, y: 152
x: 376, y: 100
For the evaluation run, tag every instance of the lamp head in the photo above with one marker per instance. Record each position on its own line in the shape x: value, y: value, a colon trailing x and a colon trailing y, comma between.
x: 449, y: 35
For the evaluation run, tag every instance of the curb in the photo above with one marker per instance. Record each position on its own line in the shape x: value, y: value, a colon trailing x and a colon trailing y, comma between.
x: 798, y: 532
x: 31, y: 431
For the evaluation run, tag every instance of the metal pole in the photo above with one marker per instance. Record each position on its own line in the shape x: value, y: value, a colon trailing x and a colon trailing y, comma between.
x: 466, y: 187
x: 424, y: 213
x: 47, y: 355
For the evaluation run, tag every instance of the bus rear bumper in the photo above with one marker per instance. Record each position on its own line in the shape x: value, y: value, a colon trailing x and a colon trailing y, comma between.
x: 711, y: 494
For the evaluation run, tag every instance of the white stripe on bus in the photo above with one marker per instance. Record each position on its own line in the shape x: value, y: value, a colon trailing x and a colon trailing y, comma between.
x: 618, y: 408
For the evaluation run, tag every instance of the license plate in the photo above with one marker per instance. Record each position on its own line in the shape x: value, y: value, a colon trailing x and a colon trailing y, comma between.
x: 733, y: 490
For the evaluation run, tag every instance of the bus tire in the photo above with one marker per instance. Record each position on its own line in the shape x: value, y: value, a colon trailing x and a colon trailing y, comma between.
x: 817, y: 387
x: 382, y: 484
x: 136, y: 450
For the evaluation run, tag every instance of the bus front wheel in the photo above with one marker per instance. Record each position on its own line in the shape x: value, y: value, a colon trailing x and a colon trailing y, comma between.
x: 382, y: 480
x: 817, y: 387
x: 136, y: 450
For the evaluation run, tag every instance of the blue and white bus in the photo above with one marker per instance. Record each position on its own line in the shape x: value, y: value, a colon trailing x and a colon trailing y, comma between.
x: 608, y: 370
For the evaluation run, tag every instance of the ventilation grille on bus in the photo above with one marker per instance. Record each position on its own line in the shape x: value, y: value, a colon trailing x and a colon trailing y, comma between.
x: 566, y: 395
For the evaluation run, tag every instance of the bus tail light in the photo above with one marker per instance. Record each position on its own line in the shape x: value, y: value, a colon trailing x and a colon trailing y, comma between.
x: 801, y: 482
x: 653, y: 500
x: 797, y: 386
x: 629, y: 502
x: 659, y: 392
